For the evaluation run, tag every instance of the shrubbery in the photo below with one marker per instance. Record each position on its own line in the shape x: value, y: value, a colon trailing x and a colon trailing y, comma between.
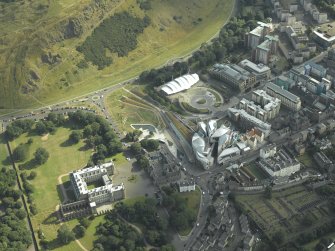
x: 118, y: 34
x: 146, y: 213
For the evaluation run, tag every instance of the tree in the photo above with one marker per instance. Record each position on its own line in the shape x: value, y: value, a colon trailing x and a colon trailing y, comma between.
x: 143, y: 162
x: 150, y: 144
x: 80, y: 231
x: 87, y: 131
x: 307, y: 220
x: 85, y: 222
x: 136, y: 148
x: 168, y: 247
x: 114, y: 147
x: 13, y: 132
x: 64, y: 234
x: 32, y: 175
x: 20, y: 153
x: 33, y: 209
x: 21, y: 214
x: 75, y: 136
x: 133, y: 136
x: 41, y: 128
x: 278, y: 238
x: 41, y: 156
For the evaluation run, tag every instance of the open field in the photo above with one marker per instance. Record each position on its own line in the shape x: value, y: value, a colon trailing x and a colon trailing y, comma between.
x: 126, y: 109
x: 62, y: 160
x: 177, y: 28
x: 286, y: 211
x: 307, y: 160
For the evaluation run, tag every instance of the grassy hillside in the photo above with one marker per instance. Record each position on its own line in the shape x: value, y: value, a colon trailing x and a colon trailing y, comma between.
x: 39, y: 61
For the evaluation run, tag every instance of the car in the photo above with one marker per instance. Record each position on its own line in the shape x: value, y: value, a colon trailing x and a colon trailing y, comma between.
x: 198, y: 224
x: 128, y: 158
x: 203, y: 192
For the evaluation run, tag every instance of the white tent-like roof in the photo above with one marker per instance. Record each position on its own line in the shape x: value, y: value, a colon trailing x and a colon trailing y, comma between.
x: 180, y: 84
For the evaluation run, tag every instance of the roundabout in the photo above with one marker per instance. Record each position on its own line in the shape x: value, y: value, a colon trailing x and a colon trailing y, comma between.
x: 201, y: 100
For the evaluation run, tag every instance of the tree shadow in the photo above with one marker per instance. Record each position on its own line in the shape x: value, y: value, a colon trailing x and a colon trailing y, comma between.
x: 128, y: 153
x: 7, y: 161
x: 54, y: 244
x: 135, y: 168
x: 33, y: 133
x: 66, y: 143
x: 51, y: 219
x: 84, y: 148
x: 31, y: 164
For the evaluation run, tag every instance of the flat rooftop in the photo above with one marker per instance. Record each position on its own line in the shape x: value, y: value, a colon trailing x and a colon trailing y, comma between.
x: 258, y: 68
x: 326, y: 31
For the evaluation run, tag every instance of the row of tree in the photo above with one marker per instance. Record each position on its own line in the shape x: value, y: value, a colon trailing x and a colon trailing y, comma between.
x: 14, y: 234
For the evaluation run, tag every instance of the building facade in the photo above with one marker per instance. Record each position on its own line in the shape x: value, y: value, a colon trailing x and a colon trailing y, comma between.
x: 287, y: 98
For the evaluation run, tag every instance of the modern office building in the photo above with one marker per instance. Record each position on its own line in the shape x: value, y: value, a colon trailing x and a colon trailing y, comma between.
x: 247, y: 121
x: 257, y: 35
x: 266, y: 49
x: 287, y: 98
x: 270, y: 104
x: 233, y: 75
x: 261, y: 71
x: 324, y: 35
x: 253, y: 109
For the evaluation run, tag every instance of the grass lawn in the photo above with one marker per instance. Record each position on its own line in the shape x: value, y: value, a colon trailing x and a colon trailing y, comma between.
x: 95, y: 184
x: 125, y: 110
x: 163, y: 40
x: 118, y: 159
x: 63, y: 159
x: 193, y: 202
x: 132, y: 201
x: 307, y: 160
x: 257, y: 171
